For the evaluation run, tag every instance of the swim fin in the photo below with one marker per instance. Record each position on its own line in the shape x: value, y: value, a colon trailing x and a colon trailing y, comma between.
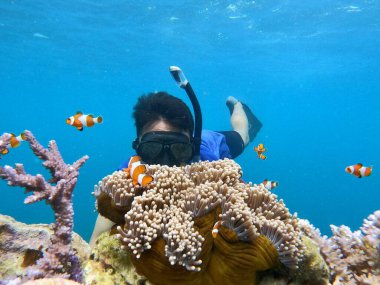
x: 254, y: 123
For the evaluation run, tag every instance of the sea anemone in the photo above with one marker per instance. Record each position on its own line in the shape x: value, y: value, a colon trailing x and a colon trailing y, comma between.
x: 167, y: 226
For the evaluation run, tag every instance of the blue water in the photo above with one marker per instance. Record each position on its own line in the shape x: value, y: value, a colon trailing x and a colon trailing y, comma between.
x: 309, y: 69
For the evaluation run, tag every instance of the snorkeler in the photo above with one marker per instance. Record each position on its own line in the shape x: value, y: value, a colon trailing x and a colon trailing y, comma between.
x: 168, y: 135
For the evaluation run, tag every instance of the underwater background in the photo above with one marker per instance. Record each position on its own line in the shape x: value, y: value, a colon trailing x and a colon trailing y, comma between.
x: 308, y: 69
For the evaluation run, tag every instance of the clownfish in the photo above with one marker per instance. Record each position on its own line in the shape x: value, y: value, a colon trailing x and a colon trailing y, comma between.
x: 13, y: 141
x: 260, y: 149
x: 269, y: 184
x: 359, y: 170
x: 215, y: 229
x: 79, y: 120
x: 137, y: 171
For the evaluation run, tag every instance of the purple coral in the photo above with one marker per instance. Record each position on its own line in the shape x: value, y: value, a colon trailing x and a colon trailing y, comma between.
x: 353, y: 257
x: 60, y: 259
x: 4, y: 141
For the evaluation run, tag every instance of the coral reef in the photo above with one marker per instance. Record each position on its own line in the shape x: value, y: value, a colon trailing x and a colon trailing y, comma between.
x: 353, y: 257
x: 196, y: 224
x: 164, y: 232
x: 115, y: 261
x: 59, y: 259
x: 22, y: 245
x: 167, y: 226
x: 4, y: 141
x: 52, y: 281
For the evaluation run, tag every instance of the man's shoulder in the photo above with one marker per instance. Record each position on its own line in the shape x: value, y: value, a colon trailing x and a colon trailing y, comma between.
x: 208, y: 135
x: 213, y: 146
x: 123, y: 165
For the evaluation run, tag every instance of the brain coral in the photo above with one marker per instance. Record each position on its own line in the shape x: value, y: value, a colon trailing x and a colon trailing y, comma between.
x: 167, y: 226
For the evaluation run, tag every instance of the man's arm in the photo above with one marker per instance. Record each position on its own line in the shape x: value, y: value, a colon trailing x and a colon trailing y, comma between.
x: 102, y: 225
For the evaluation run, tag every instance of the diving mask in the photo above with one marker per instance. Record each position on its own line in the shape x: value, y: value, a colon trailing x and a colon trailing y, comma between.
x: 164, y: 147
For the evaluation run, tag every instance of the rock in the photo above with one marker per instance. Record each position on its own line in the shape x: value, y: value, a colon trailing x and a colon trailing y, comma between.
x: 21, y: 245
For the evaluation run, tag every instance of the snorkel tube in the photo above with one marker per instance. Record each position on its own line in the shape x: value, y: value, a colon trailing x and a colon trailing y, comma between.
x: 182, y: 82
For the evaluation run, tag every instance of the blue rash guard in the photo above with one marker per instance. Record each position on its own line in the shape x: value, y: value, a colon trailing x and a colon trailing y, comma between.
x: 213, y: 147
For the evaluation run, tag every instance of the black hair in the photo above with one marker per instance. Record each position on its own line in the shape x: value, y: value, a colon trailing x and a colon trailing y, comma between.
x: 157, y: 106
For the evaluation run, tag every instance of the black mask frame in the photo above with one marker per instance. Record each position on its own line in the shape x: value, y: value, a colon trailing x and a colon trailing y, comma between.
x: 164, y: 147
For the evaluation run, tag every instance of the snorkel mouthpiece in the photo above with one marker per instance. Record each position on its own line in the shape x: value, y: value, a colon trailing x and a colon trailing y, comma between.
x: 182, y: 82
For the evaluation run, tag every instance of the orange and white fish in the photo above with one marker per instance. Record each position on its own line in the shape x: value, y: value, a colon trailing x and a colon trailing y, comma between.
x: 215, y: 229
x: 260, y: 149
x: 79, y: 120
x: 13, y: 141
x: 359, y: 170
x: 269, y: 184
x: 137, y: 171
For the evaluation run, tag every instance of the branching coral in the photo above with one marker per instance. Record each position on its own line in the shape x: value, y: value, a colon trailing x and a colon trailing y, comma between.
x: 60, y: 259
x: 353, y: 257
x: 167, y: 226
x: 4, y: 141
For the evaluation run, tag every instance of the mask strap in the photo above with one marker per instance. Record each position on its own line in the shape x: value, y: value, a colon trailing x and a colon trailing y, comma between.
x: 135, y: 144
